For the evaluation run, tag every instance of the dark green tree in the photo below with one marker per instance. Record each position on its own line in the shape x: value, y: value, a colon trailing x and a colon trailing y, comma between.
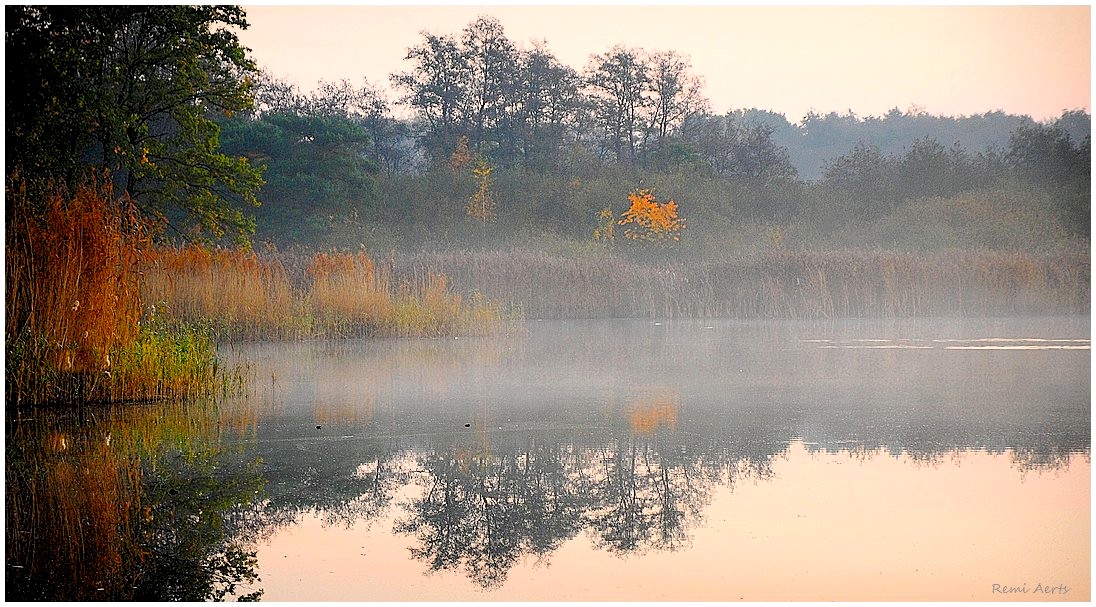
x: 1046, y: 156
x: 133, y: 90
x: 926, y: 170
x: 317, y: 170
x: 764, y: 169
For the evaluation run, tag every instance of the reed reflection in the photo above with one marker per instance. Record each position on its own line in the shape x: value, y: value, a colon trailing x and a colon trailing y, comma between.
x: 130, y: 503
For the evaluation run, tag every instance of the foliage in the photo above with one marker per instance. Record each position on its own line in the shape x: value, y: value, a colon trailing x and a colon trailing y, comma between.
x: 606, y: 225
x: 650, y: 219
x: 481, y: 206
x: 133, y: 90
x: 866, y: 177
x: 316, y: 168
x: 561, y: 143
x: 1048, y: 156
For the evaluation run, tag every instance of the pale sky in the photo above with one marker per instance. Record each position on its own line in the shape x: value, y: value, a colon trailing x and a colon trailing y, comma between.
x: 1033, y: 60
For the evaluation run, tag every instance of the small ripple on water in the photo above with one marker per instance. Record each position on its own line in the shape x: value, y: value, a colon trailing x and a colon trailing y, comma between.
x: 982, y: 343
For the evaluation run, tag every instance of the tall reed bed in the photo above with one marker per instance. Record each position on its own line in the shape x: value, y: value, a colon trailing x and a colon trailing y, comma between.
x: 74, y: 330
x: 250, y: 296
x: 231, y: 292
x: 773, y: 284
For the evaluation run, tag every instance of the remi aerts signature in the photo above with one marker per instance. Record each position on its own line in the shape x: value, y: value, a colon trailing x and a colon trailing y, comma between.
x: 1025, y: 588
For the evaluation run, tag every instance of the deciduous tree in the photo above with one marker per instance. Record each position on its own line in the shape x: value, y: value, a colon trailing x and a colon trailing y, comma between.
x: 135, y: 90
x: 436, y: 88
x: 618, y: 83
x: 648, y: 219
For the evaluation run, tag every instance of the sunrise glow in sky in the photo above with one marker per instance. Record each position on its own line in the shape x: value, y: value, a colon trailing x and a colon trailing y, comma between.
x: 946, y: 60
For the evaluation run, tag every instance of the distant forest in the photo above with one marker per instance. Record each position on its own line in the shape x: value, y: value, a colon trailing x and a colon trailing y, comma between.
x: 489, y: 144
x: 564, y: 144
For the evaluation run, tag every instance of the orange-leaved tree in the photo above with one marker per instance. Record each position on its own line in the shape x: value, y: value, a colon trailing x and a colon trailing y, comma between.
x: 651, y: 220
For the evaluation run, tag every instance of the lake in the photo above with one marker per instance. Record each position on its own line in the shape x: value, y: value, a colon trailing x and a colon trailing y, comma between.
x: 940, y: 459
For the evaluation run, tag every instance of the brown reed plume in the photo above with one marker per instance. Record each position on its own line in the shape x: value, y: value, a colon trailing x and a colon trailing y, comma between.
x: 231, y: 291
x: 72, y: 296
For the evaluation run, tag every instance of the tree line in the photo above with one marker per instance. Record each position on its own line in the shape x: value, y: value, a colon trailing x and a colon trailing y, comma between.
x: 167, y: 100
x: 628, y: 118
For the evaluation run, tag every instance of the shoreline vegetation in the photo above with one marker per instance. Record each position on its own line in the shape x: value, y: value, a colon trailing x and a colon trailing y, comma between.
x: 775, y: 284
x: 96, y: 313
x: 513, y: 187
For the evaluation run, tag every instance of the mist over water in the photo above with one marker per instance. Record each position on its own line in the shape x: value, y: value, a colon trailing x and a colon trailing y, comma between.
x: 958, y: 383
x: 587, y: 460
x: 579, y: 440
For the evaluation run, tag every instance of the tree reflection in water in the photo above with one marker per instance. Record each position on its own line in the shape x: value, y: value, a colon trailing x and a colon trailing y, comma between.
x: 481, y: 512
x: 167, y: 502
x: 644, y: 488
x: 639, y: 487
x: 641, y: 484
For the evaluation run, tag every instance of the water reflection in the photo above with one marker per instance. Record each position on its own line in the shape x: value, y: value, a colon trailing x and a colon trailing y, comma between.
x: 483, y: 454
x: 474, y: 458
x: 130, y: 503
x: 485, y: 502
x: 480, y: 513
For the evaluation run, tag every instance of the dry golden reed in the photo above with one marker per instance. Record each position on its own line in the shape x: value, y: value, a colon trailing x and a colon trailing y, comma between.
x: 852, y: 283
x: 231, y: 291
x: 72, y: 295
x: 76, y: 331
x: 246, y: 296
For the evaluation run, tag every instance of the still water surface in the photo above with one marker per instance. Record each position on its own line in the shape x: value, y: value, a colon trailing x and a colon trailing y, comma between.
x: 637, y: 460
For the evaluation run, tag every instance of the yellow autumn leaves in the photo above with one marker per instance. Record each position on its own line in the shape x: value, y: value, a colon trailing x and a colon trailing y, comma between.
x: 481, y: 206
x: 646, y: 218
